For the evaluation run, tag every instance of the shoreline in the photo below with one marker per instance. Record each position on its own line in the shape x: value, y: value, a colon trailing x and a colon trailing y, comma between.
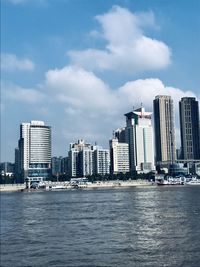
x: 11, y: 187
x: 67, y: 186
x: 64, y: 186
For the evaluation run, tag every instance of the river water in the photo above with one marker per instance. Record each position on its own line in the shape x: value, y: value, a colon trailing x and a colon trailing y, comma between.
x: 107, y: 227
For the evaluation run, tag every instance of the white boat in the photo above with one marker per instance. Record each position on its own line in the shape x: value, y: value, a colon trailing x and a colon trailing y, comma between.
x: 193, y: 182
x: 57, y: 187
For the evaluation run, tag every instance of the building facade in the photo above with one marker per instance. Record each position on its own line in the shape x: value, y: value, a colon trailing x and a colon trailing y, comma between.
x: 35, y: 150
x: 189, y: 128
x: 7, y: 169
x: 139, y: 136
x: 164, y: 126
x: 101, y: 160
x: 120, y: 135
x: 85, y: 159
x: 119, y: 156
x: 56, y: 166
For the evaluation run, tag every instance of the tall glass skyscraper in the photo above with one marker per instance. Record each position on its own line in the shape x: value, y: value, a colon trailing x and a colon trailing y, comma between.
x: 164, y: 125
x: 35, y: 150
x: 189, y: 126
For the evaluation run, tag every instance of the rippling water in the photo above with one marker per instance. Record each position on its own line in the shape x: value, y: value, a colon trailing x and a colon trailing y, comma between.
x: 112, y: 227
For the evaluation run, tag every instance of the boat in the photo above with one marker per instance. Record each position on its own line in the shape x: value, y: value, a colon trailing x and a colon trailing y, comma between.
x: 193, y: 182
x: 170, y: 181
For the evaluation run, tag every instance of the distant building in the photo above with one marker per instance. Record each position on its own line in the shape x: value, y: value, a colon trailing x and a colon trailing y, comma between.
x: 73, y: 156
x: 189, y: 126
x: 86, y: 162
x: 17, y: 170
x: 35, y: 150
x: 65, y: 165
x: 120, y: 135
x: 119, y: 155
x: 75, y: 165
x: 178, y: 169
x: 164, y: 126
x: 56, y: 164
x: 101, y: 160
x: 85, y: 159
x: 139, y: 136
x: 197, y: 168
x: 7, y: 168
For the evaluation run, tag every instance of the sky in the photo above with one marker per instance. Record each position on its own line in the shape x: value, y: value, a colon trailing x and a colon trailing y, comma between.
x: 80, y: 65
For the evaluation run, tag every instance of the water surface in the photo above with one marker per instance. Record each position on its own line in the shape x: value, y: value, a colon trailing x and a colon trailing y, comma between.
x: 141, y: 227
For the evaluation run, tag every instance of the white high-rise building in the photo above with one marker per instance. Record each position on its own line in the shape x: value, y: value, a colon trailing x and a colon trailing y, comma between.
x: 119, y: 153
x: 75, y: 158
x: 85, y: 159
x: 139, y: 136
x: 35, y: 150
x: 101, y: 160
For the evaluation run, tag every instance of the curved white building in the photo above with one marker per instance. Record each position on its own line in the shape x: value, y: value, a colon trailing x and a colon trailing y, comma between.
x: 35, y: 150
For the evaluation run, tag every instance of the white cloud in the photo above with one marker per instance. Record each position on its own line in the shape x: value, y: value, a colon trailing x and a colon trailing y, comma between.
x: 11, y: 62
x: 144, y: 91
x: 92, y: 109
x: 127, y: 48
x: 78, y: 104
x: 79, y: 88
x: 17, y: 93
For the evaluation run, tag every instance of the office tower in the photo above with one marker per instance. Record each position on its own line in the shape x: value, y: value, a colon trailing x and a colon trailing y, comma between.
x: 139, y: 136
x: 65, y: 165
x: 164, y: 125
x: 85, y: 159
x: 119, y: 155
x: 189, y: 126
x: 56, y: 166
x: 101, y: 160
x: 35, y: 150
x: 120, y: 135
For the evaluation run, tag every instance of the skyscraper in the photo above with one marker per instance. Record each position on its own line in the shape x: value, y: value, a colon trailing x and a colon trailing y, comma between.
x: 35, y: 150
x: 139, y: 136
x: 189, y: 126
x: 164, y: 125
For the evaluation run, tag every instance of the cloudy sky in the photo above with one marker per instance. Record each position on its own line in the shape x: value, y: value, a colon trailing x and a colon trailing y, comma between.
x: 79, y: 65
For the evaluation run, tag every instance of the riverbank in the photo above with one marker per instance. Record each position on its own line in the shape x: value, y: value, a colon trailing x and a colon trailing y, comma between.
x: 66, y: 185
x: 11, y: 187
x: 109, y: 184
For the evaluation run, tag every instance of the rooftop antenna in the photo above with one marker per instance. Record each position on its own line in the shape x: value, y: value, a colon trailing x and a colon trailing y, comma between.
x: 141, y: 108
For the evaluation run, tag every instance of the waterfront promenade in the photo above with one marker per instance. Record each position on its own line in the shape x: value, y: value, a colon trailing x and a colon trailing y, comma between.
x: 67, y: 185
x: 11, y: 187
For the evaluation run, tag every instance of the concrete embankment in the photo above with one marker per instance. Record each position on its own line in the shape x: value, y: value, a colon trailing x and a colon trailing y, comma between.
x: 11, y: 187
x: 119, y: 184
x: 67, y: 185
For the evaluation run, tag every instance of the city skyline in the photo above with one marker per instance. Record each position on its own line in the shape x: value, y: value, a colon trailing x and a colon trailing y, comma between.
x: 48, y: 74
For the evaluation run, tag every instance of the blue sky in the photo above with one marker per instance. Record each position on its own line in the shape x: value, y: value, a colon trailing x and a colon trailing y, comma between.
x: 79, y: 65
